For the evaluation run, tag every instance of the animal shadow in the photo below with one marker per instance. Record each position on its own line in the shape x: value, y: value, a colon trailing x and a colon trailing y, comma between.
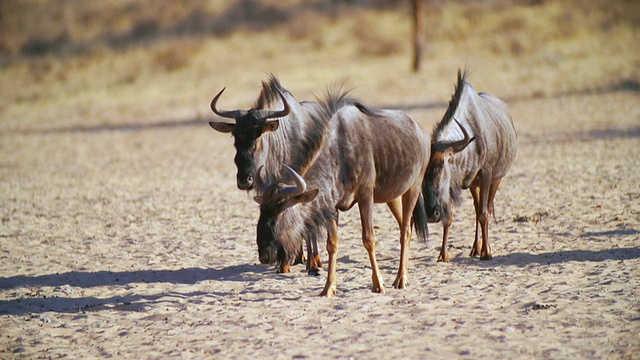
x: 33, y: 300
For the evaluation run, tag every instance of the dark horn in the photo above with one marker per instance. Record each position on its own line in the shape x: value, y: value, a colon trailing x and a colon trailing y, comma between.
x: 457, y: 146
x: 224, y: 113
x: 270, y: 114
x: 301, y: 185
x: 460, y: 145
x: 260, y: 184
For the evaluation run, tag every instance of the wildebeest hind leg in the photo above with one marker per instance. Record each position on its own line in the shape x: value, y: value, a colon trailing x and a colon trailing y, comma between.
x: 444, y: 252
x: 332, y: 248
x: 475, y: 248
x: 492, y: 195
x: 395, y: 206
x: 366, y: 218
x: 485, y: 253
x: 409, y: 200
x: 482, y: 215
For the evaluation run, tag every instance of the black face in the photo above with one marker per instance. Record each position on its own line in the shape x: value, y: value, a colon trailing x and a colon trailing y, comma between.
x: 432, y: 190
x: 247, y: 133
x: 270, y: 249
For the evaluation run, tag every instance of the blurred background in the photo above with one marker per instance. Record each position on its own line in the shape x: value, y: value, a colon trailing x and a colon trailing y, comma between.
x: 88, y: 63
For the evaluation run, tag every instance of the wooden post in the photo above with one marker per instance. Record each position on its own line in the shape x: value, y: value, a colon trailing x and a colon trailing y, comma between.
x: 418, y: 32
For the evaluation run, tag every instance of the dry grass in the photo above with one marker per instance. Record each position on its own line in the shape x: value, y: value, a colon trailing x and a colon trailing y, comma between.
x: 168, y: 61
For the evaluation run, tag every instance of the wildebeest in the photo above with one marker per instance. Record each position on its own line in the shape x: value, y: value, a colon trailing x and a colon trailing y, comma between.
x: 478, y: 161
x: 368, y: 156
x: 267, y: 137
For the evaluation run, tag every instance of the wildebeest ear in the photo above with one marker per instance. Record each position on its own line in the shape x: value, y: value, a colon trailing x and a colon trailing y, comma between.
x: 258, y: 199
x: 305, y: 197
x: 271, y: 125
x: 222, y: 127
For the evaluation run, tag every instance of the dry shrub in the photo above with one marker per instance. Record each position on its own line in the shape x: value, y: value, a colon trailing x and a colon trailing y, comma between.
x: 515, y: 44
x: 512, y: 24
x: 372, y: 40
x: 303, y: 25
x: 513, y: 37
x: 566, y: 23
x: 129, y: 77
x: 475, y: 14
x: 176, y: 54
x: 308, y: 25
x: 40, y: 68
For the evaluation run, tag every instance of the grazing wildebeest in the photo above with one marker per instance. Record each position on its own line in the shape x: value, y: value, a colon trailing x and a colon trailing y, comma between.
x: 477, y: 162
x: 368, y: 157
x: 264, y: 137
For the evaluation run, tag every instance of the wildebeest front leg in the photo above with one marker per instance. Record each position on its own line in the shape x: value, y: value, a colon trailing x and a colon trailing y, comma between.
x: 369, y: 241
x: 332, y: 248
x: 284, y: 268
x: 409, y: 200
x: 314, y: 264
x: 300, y: 259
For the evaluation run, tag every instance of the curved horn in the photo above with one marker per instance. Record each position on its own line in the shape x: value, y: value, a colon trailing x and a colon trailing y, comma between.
x: 459, y: 145
x: 224, y: 113
x: 260, y: 184
x: 270, y: 114
x: 299, y: 188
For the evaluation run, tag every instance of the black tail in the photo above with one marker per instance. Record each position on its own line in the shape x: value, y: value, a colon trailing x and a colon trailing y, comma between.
x: 420, y: 220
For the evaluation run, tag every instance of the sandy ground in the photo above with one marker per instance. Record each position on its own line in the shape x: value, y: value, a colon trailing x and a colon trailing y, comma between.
x: 134, y: 242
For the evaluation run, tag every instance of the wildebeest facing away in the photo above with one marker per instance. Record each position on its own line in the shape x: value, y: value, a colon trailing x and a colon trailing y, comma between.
x: 368, y: 157
x: 477, y: 162
x: 265, y: 137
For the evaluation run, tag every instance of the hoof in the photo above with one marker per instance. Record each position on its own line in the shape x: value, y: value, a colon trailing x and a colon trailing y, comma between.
x: 314, y: 272
x: 328, y: 292
x: 400, y: 284
x: 443, y: 258
x: 300, y: 259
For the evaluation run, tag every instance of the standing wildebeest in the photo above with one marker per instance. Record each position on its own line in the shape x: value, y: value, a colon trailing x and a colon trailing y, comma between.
x: 268, y: 138
x: 368, y: 157
x: 477, y: 162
